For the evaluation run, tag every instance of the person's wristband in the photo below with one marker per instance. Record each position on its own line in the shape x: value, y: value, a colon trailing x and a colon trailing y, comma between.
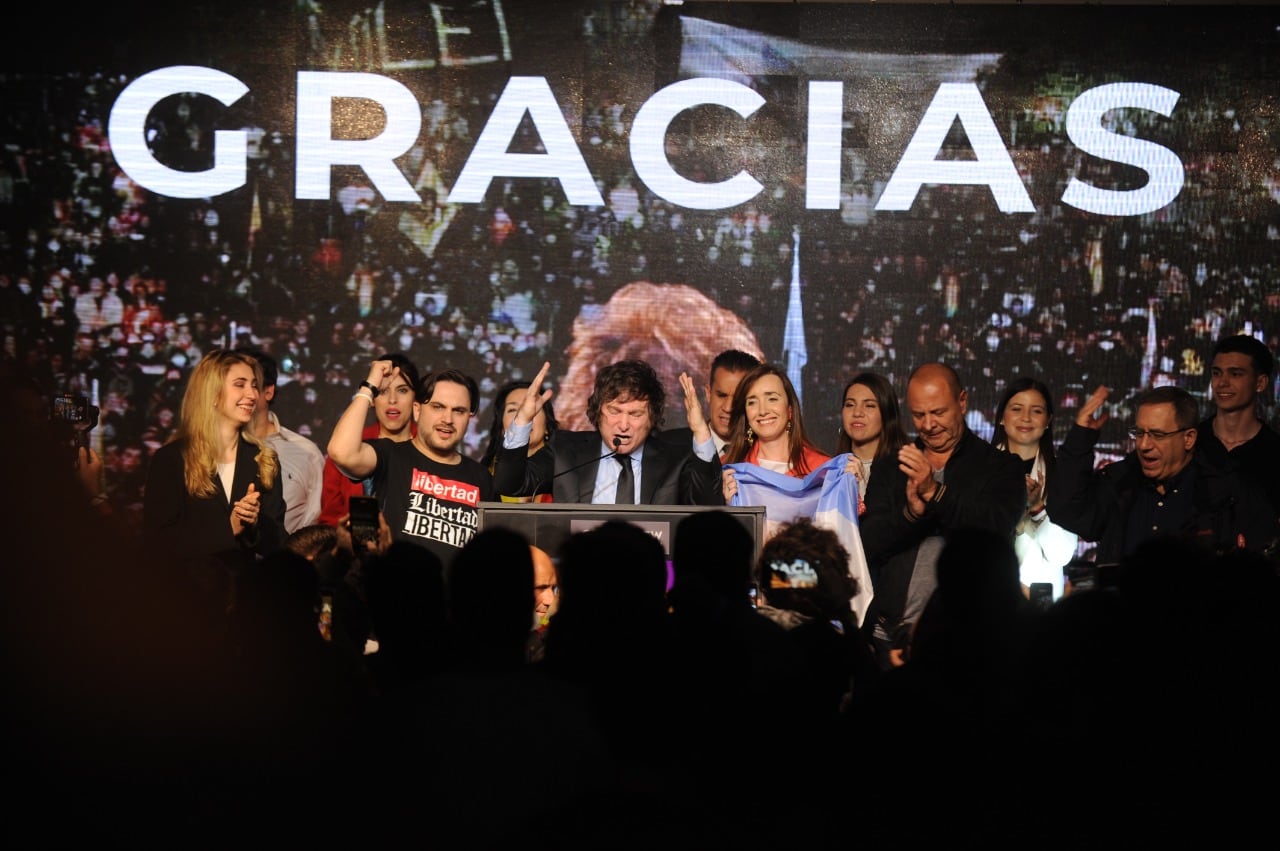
x: 1039, y: 515
x: 360, y: 394
x: 373, y: 388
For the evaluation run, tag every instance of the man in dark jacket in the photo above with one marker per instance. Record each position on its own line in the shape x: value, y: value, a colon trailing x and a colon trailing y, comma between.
x: 1236, y: 438
x: 948, y: 479
x: 622, y: 460
x: 1161, y: 488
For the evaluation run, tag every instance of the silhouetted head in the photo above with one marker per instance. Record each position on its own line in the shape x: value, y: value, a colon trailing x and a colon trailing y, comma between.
x: 714, y: 548
x: 488, y: 586
x: 805, y: 568
x: 613, y: 576
x: 404, y: 588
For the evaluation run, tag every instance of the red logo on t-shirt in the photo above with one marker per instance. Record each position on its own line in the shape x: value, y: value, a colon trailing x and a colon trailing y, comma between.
x: 427, y: 482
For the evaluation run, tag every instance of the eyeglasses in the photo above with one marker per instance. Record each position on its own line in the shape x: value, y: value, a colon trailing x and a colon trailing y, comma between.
x: 1139, y: 433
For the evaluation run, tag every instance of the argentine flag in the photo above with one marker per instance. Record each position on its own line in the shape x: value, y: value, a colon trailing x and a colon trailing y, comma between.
x: 828, y: 494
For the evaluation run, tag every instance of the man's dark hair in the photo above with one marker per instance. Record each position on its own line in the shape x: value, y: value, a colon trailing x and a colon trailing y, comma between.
x: 634, y: 379
x: 1186, y: 411
x: 1264, y: 363
x: 270, y: 369
x: 454, y: 376
x: 733, y: 360
x: 312, y: 541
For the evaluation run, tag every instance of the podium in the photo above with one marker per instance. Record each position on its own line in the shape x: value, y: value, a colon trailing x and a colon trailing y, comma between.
x: 548, y: 525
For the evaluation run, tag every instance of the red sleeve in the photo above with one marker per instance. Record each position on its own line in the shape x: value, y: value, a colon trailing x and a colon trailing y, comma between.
x: 333, y: 498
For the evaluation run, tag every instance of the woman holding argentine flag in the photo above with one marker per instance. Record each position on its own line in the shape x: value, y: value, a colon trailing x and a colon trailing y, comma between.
x: 770, y: 461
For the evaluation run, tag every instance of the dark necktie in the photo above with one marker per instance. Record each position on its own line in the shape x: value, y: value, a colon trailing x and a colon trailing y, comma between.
x: 626, y: 482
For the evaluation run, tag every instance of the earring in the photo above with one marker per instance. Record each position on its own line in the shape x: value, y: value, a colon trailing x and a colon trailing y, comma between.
x: 751, y: 436
x: 788, y: 426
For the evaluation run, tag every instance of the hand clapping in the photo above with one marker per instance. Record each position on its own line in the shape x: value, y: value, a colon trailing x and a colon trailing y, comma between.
x: 244, y: 514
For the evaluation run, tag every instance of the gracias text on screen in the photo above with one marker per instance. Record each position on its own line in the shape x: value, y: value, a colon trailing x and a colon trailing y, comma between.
x: 1087, y: 127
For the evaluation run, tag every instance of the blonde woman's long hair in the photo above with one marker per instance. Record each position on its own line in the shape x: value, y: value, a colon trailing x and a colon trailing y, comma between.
x: 198, y: 425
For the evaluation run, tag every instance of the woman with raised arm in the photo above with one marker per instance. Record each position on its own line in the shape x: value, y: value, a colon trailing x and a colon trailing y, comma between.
x: 505, y: 406
x: 393, y: 413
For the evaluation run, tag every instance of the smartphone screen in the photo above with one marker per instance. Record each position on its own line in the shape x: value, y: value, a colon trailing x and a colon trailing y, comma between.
x: 364, y: 520
x: 1042, y: 594
x: 70, y: 408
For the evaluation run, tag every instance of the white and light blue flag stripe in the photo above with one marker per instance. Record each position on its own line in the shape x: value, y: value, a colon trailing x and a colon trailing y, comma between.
x: 829, y: 495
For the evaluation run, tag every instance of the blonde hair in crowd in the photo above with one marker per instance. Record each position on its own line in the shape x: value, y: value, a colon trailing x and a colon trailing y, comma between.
x: 198, y: 425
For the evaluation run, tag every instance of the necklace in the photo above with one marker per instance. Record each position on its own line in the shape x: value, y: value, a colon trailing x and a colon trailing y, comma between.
x: 1232, y: 443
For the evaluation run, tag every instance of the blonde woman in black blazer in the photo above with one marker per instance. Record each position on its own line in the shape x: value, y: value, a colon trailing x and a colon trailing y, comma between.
x: 213, y: 503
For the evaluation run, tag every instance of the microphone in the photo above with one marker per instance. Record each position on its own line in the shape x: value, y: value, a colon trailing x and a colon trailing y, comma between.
x: 617, y: 444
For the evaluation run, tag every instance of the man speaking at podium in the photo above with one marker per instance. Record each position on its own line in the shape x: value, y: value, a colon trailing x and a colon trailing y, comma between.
x: 624, y: 459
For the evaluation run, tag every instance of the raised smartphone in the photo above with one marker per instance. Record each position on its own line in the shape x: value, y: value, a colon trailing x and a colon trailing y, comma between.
x: 364, y: 521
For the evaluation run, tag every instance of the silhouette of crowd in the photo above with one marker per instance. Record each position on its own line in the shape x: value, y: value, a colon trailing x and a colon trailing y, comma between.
x: 684, y: 716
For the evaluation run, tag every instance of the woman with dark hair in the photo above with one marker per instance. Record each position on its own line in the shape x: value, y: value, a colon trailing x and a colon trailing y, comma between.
x: 1024, y: 426
x: 870, y: 426
x: 765, y: 427
x: 766, y: 430
x: 505, y: 405
x: 393, y: 412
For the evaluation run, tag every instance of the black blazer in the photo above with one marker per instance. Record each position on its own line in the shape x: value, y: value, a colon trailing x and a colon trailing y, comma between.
x: 670, y: 475
x: 1229, y: 509
x: 195, y: 533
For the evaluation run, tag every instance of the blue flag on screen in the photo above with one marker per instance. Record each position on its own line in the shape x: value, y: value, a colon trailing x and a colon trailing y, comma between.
x: 713, y: 49
x: 795, y: 353
x: 828, y: 494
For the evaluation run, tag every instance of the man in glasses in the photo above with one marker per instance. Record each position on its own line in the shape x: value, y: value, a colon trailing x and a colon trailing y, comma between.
x: 1161, y: 488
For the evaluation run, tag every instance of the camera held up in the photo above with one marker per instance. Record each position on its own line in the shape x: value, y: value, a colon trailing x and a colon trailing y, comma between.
x: 72, y: 418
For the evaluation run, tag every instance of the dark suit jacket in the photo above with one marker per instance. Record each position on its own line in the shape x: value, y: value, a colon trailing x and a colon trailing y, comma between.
x: 670, y: 475
x: 986, y: 489
x: 1228, y: 509
x: 195, y: 533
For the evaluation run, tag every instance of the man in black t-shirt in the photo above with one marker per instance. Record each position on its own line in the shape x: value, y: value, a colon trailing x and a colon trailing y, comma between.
x: 1237, y: 439
x: 428, y: 491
